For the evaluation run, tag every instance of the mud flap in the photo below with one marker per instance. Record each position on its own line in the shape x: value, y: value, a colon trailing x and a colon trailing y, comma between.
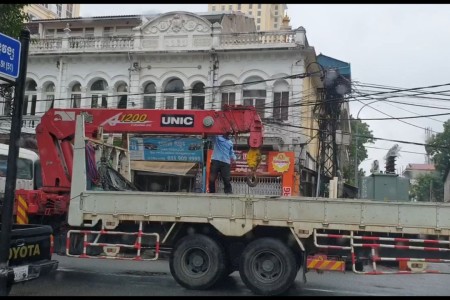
x: 305, y: 267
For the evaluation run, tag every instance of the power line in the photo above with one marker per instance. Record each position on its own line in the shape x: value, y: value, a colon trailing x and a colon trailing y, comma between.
x: 412, y: 152
x: 364, y: 136
x: 390, y: 115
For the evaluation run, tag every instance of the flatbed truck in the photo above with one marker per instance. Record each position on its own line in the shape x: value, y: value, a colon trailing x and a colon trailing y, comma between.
x: 208, y: 236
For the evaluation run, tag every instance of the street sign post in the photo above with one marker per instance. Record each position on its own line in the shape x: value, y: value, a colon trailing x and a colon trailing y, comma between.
x: 9, y: 56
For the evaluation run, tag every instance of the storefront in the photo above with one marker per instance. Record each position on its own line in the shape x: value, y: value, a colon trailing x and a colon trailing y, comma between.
x: 167, y: 163
x: 275, y: 172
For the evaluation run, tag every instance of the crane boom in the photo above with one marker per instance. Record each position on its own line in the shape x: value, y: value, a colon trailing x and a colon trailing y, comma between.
x: 55, y: 133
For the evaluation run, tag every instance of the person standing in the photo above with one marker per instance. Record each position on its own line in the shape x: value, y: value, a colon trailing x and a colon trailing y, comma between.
x: 223, y: 156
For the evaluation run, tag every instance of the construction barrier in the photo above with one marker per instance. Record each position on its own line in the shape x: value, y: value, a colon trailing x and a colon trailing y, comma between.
x: 407, y: 265
x: 114, y: 250
x: 324, y: 263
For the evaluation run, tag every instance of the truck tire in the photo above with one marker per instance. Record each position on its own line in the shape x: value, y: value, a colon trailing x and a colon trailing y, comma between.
x: 268, y: 267
x: 197, y: 262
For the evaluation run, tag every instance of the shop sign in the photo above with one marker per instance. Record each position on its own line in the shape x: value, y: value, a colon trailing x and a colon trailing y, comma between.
x: 167, y: 149
x: 281, y: 163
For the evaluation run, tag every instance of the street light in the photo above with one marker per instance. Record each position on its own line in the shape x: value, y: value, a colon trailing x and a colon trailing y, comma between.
x: 356, y: 142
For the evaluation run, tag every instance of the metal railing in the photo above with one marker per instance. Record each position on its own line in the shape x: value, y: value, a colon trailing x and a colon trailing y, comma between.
x: 126, y: 43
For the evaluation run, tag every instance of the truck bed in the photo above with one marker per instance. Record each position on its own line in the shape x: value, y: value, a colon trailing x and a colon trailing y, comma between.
x: 234, y: 215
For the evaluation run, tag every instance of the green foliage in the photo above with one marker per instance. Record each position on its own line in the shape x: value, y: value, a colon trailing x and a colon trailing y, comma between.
x: 439, y: 148
x: 12, y: 18
x: 428, y: 188
x: 364, y: 136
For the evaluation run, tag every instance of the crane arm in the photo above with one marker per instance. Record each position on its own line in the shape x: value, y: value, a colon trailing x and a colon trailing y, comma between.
x: 56, y: 131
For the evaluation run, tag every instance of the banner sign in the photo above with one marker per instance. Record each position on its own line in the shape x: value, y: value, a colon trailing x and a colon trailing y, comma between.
x: 167, y: 149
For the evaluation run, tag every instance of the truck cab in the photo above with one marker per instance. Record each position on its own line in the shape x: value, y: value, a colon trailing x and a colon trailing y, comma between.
x: 28, y: 170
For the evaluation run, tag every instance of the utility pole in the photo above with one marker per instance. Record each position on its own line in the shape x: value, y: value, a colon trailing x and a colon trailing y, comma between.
x: 13, y: 153
x: 328, y: 111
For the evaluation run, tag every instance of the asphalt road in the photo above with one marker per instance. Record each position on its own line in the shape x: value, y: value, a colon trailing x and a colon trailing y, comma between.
x: 93, y: 277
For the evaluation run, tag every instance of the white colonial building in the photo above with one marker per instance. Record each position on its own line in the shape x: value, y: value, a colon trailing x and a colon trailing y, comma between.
x: 175, y: 60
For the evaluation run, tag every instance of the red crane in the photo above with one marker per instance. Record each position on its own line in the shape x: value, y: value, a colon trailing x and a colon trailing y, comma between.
x: 56, y: 131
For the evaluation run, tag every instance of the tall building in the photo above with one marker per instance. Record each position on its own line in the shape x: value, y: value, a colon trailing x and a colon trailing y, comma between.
x: 267, y: 16
x: 52, y: 11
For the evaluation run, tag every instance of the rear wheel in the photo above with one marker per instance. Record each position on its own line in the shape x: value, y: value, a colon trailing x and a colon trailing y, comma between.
x: 197, y: 262
x: 268, y: 267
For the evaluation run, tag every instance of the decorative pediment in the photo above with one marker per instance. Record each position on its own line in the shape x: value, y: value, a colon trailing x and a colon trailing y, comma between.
x: 177, y: 23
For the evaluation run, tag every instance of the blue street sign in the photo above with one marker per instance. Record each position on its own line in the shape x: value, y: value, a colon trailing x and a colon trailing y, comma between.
x: 9, y: 56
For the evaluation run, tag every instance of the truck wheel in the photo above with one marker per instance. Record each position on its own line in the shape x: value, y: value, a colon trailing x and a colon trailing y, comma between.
x: 268, y: 267
x: 197, y: 262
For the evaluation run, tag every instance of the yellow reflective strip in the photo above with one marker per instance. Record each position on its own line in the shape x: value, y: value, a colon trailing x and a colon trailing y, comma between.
x: 336, y: 265
x: 21, y: 211
x: 313, y: 263
x: 324, y: 264
x: 23, y: 202
x: 22, y: 219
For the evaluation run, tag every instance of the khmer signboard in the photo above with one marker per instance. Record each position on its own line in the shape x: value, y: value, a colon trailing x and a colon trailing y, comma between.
x: 9, y: 56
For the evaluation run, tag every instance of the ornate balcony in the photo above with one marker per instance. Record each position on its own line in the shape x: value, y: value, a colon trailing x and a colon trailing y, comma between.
x: 203, y: 41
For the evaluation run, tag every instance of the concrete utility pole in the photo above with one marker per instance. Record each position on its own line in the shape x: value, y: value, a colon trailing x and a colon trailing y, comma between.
x: 13, y: 153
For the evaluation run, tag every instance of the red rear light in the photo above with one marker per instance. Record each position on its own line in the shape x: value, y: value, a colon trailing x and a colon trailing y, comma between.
x: 51, y: 244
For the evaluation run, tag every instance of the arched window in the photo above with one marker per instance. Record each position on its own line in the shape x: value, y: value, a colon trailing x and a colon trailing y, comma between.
x: 198, y: 96
x: 281, y: 100
x: 49, y: 96
x: 122, y: 92
x: 99, y: 90
x: 75, y: 96
x: 174, y: 94
x: 254, y: 94
x: 30, y: 95
x: 228, y: 93
x: 150, y: 96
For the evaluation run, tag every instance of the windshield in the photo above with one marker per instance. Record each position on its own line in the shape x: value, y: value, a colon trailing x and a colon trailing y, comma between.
x: 24, y: 167
x: 37, y: 175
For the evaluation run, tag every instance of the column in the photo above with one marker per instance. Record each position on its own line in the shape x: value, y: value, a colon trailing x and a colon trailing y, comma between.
x: 216, y: 30
x: 136, y: 92
x: 268, y: 113
x: 111, y: 99
x: 41, y: 107
x: 85, y: 102
x: 300, y: 36
x: 159, y: 98
x: 187, y: 97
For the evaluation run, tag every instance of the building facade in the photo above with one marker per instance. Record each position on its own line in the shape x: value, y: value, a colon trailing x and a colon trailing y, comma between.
x: 267, y: 16
x: 177, y: 60
x: 412, y: 171
x: 52, y: 11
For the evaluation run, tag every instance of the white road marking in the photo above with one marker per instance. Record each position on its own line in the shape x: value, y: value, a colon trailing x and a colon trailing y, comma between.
x: 340, y: 292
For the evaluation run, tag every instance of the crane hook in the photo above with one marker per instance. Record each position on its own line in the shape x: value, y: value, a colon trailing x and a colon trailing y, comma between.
x: 252, y: 179
x: 253, y: 161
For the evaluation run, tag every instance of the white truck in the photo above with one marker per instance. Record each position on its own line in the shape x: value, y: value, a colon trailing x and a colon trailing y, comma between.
x: 208, y: 236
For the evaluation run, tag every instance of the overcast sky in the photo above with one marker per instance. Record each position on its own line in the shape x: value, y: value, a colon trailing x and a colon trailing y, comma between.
x: 396, y: 45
